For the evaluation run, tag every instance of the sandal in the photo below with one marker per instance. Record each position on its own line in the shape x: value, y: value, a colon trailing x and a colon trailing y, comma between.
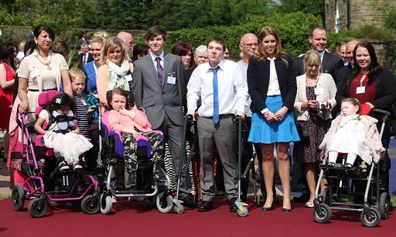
x: 309, y: 204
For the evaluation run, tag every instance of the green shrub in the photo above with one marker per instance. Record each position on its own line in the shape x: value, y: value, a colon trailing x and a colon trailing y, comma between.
x: 294, y: 30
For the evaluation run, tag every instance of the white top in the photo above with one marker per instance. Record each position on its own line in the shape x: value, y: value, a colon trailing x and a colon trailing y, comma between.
x: 350, y: 138
x: 231, y: 87
x: 244, y: 68
x: 42, y: 75
x: 20, y: 55
x: 273, y: 86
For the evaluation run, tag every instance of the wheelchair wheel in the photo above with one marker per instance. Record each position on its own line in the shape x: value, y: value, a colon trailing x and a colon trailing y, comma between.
x: 164, y: 204
x: 242, y: 212
x: 18, y: 197
x: 372, y: 219
x: 37, y: 207
x: 322, y: 213
x: 384, y: 205
x: 90, y: 204
x: 179, y: 209
x: 105, y: 203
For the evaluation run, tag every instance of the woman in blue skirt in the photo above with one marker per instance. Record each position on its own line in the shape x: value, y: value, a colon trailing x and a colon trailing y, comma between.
x: 272, y: 87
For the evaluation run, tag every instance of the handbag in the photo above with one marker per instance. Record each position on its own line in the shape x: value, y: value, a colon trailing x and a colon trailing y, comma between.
x: 302, y: 130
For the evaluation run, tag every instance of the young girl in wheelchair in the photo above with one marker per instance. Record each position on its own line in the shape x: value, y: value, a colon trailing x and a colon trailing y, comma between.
x: 353, y: 134
x: 125, y: 118
x: 59, y: 127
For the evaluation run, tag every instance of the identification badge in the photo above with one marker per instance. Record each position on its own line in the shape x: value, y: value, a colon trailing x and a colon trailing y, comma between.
x: 319, y: 91
x: 171, y: 80
x: 84, y: 102
x: 360, y: 90
x: 128, y: 77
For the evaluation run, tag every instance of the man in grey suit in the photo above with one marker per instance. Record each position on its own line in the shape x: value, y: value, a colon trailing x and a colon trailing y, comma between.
x: 159, y: 87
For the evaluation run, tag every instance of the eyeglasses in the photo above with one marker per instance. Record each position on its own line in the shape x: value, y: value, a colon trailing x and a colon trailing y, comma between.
x: 251, y: 44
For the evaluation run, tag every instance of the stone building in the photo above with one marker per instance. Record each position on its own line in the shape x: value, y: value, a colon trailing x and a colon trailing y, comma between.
x: 350, y: 14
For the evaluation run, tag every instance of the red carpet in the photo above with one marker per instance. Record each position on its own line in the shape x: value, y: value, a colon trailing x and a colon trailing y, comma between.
x: 137, y: 219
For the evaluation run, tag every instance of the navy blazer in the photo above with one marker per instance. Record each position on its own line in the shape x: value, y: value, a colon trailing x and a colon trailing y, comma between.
x: 258, y: 74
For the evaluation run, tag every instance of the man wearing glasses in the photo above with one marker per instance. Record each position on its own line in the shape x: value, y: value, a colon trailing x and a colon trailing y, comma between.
x: 248, y: 46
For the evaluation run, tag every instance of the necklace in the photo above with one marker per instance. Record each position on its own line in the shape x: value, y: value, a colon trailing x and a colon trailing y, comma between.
x: 45, y: 62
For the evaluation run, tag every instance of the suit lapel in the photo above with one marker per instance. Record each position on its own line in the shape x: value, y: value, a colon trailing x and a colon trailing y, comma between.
x: 325, y: 62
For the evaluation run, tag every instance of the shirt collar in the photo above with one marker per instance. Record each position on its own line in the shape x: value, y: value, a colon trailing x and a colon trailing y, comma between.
x: 153, y: 56
x: 220, y: 65
x: 322, y: 53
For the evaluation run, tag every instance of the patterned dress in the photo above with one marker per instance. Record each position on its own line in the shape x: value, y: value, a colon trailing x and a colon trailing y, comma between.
x: 308, y: 150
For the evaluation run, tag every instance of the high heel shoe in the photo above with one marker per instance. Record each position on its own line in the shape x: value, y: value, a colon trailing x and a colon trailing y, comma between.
x: 268, y: 208
x: 286, y: 209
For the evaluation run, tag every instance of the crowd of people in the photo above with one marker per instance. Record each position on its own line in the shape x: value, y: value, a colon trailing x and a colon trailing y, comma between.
x: 280, y: 99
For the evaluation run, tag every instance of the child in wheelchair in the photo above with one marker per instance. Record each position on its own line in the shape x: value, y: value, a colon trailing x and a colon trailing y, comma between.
x: 132, y: 124
x: 62, y: 133
x: 354, y: 135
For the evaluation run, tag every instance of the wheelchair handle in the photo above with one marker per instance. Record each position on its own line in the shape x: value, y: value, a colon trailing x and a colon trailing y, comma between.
x: 385, y: 114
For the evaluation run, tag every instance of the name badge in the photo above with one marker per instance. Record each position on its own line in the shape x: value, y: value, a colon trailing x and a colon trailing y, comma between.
x: 128, y: 77
x: 171, y: 80
x: 319, y: 91
x: 360, y: 90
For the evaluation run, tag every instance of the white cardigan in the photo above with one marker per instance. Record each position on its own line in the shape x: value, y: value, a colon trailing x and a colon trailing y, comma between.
x: 326, y: 82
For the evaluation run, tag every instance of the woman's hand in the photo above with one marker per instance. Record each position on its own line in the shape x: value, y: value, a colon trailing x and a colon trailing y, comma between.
x: 269, y: 116
x: 23, y: 106
x: 312, y: 104
x: 280, y: 114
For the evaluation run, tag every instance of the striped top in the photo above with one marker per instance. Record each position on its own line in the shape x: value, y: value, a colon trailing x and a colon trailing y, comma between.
x: 80, y: 109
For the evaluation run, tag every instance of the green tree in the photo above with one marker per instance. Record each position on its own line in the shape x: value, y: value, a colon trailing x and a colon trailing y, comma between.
x: 314, y: 7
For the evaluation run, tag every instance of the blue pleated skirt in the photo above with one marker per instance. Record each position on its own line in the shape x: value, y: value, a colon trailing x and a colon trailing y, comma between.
x: 266, y: 132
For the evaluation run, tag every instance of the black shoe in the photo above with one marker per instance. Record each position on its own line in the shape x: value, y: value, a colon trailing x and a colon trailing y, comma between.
x: 188, y: 201
x: 231, y: 204
x: 206, y: 206
x: 331, y: 164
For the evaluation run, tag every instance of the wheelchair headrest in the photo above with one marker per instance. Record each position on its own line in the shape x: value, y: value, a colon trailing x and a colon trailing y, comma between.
x: 44, y: 98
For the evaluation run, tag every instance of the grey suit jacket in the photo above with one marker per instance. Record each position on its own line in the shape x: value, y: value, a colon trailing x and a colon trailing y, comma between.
x: 330, y: 64
x: 156, y: 99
